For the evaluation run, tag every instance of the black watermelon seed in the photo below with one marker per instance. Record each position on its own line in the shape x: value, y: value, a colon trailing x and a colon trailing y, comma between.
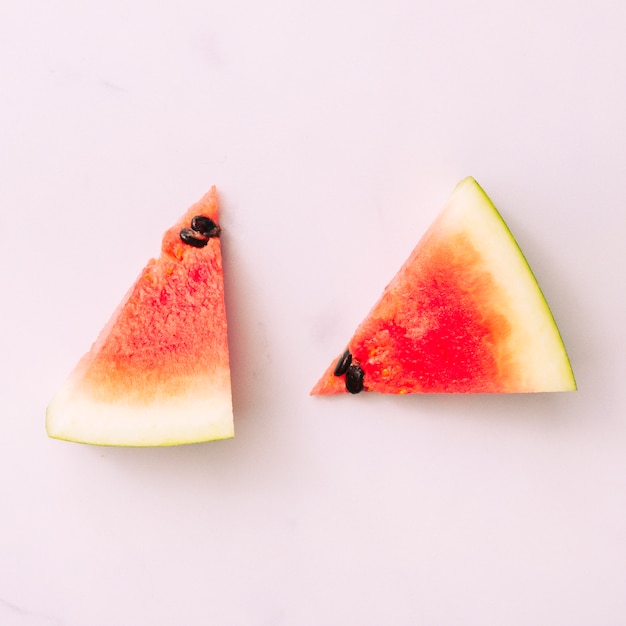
x: 189, y: 237
x: 354, y: 379
x: 205, y: 226
x: 343, y: 363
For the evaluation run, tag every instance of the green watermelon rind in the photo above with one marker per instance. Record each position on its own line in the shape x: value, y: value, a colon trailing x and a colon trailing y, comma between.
x: 77, y: 418
x: 530, y: 270
x: 469, y: 194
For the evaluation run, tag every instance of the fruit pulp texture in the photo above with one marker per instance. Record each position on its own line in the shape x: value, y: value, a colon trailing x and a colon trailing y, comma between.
x: 447, y: 335
x: 440, y: 326
x: 169, y: 334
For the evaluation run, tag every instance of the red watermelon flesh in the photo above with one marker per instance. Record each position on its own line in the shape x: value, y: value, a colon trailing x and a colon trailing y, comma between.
x: 464, y: 314
x: 158, y: 374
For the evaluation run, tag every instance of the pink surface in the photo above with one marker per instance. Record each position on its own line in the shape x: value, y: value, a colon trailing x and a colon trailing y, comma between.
x: 334, y: 132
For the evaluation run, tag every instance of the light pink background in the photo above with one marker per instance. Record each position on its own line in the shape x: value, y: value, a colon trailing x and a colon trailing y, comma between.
x: 334, y: 132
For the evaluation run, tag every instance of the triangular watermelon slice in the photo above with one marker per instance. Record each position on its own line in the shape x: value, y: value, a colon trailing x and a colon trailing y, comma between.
x: 464, y: 314
x: 158, y: 374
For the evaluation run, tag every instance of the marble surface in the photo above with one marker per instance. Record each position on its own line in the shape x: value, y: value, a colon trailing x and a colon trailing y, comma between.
x: 334, y: 132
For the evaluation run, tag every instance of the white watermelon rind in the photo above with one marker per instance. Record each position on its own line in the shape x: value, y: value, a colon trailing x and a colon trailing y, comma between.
x: 535, y: 341
x: 176, y: 420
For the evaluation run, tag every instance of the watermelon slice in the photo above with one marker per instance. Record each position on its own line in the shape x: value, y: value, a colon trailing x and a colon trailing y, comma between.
x: 158, y: 374
x: 463, y: 315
